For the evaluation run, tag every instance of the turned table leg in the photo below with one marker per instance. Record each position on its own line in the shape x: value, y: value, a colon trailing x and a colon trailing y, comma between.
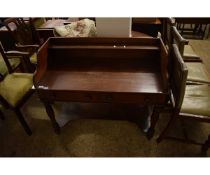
x: 154, y: 119
x: 51, y: 115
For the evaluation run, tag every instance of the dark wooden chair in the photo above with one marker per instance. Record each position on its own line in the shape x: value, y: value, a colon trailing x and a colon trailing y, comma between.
x: 14, y: 60
x: 15, y: 89
x: 34, y: 24
x: 194, y: 28
x: 185, y: 48
x: 24, y: 37
x: 197, y: 72
x: 166, y: 32
x: 187, y: 101
x: 2, y: 115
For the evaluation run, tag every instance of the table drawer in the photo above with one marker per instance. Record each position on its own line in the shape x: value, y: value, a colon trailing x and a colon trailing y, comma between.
x: 102, y: 97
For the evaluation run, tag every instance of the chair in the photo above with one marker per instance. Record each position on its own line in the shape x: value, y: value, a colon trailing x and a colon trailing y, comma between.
x: 186, y: 50
x: 14, y: 60
x: 197, y: 72
x: 15, y: 89
x: 187, y: 101
x: 166, y: 34
x: 34, y: 24
x: 1, y: 114
x: 192, y: 27
x: 24, y: 38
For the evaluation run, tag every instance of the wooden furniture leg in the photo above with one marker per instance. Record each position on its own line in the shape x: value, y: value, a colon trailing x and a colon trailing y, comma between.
x: 154, y: 119
x: 206, y: 146
x: 1, y: 115
x: 23, y: 122
x: 51, y: 115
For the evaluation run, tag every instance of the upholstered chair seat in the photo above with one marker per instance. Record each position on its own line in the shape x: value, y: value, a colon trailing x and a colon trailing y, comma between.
x: 189, y: 53
x: 14, y: 62
x: 15, y: 86
x: 197, y: 72
x: 37, y: 22
x: 196, y: 100
x: 33, y: 58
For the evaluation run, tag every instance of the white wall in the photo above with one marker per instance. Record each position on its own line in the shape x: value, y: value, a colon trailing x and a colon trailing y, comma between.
x: 113, y: 27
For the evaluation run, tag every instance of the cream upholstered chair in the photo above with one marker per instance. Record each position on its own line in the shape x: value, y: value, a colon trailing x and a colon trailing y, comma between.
x: 187, y: 101
x: 197, y: 71
x: 15, y: 89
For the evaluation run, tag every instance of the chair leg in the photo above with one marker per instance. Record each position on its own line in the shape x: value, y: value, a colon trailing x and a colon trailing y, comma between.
x: 1, y: 115
x: 23, y: 122
x: 206, y: 146
x: 170, y: 123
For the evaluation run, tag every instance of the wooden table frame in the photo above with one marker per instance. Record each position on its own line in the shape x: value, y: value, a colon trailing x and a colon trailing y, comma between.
x: 102, y: 70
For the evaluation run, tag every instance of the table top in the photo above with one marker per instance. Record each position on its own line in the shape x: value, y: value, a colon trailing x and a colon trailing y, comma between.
x: 96, y: 65
x: 103, y: 81
x: 155, y: 21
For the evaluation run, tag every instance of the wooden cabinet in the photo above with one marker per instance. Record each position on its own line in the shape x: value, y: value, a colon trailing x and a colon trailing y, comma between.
x: 102, y: 70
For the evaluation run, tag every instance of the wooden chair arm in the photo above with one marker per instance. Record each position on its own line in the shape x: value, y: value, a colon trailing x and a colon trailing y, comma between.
x: 178, y: 36
x: 16, y: 53
x: 170, y: 21
x: 34, y: 46
x: 179, y: 40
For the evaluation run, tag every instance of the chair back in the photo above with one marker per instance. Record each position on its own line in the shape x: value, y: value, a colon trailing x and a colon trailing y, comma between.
x: 8, y: 65
x: 20, y: 31
x: 34, y: 24
x: 178, y: 76
x: 167, y: 38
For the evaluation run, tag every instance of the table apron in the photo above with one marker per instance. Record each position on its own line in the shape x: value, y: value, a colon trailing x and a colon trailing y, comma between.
x: 104, y: 97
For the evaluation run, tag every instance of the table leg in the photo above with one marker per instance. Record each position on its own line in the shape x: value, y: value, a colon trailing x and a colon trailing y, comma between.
x: 154, y: 119
x: 51, y: 115
x: 205, y: 147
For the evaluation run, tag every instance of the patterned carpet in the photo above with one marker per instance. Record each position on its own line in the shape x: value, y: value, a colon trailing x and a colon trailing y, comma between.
x: 95, y: 137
